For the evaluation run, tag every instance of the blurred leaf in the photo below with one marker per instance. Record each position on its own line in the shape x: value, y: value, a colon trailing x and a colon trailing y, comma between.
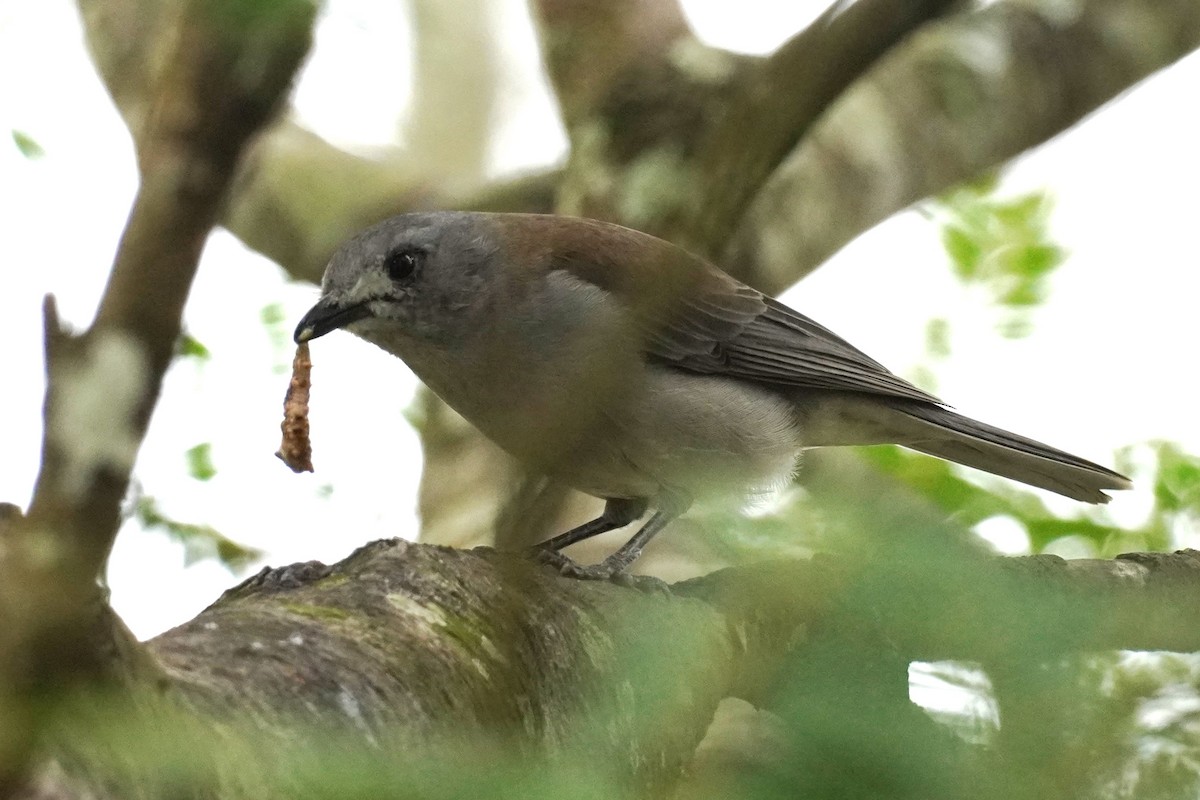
x: 1022, y: 294
x: 1015, y: 327
x: 1024, y: 212
x: 27, y: 145
x: 188, y: 346
x: 964, y: 250
x: 970, y: 503
x: 1001, y: 245
x: 272, y: 314
x: 1176, y: 481
x: 200, y: 541
x: 199, y: 461
x: 274, y: 320
x: 923, y: 377
x: 1177, y: 487
x: 937, y: 337
x: 1037, y: 259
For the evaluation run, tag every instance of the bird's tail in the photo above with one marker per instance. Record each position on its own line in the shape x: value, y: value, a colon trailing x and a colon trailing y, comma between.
x: 943, y: 433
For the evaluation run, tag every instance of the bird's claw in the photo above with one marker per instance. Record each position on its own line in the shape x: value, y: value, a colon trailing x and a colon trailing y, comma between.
x: 604, y: 571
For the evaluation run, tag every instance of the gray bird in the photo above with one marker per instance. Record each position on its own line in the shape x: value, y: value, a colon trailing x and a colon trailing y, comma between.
x: 636, y: 372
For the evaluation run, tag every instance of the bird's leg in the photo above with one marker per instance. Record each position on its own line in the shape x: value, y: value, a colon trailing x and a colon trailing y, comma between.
x: 619, y: 561
x: 613, y: 567
x: 618, y: 512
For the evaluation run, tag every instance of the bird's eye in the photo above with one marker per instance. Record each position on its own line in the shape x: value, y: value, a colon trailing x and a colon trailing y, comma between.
x: 400, y: 264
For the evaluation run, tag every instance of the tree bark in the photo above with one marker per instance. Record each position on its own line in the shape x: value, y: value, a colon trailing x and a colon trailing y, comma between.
x: 407, y: 648
x: 963, y: 95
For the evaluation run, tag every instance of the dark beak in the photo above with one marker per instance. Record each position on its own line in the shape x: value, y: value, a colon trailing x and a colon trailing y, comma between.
x: 327, y: 316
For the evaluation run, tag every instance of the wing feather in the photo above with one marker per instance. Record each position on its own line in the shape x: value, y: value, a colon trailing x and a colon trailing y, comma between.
x: 695, y: 317
x: 731, y: 329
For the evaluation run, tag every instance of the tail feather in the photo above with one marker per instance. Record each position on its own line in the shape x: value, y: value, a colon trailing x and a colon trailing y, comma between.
x: 943, y: 433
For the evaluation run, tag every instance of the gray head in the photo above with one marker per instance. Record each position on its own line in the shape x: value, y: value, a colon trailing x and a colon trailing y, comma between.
x: 417, y: 273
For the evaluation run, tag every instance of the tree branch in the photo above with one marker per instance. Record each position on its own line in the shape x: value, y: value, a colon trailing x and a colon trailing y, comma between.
x: 222, y: 77
x: 779, y: 100
x: 455, y: 89
x: 589, y: 46
x: 296, y: 196
x: 967, y: 93
x: 419, y: 646
x: 467, y: 646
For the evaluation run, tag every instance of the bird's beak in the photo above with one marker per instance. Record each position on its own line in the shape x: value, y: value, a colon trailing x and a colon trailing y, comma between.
x: 328, y: 316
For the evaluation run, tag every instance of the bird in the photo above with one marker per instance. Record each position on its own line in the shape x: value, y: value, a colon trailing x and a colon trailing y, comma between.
x: 636, y: 372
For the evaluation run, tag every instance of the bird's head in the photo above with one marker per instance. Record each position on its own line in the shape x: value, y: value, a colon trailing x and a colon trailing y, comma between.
x: 418, y: 276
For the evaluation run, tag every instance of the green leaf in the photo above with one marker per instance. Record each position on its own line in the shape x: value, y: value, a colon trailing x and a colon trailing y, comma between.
x: 1000, y: 245
x: 188, y: 346
x: 200, y: 541
x: 199, y: 461
x: 272, y: 314
x: 923, y: 377
x: 1023, y: 294
x: 1023, y: 213
x: 1036, y: 260
x: 1017, y: 326
x: 1177, y: 486
x: 964, y: 250
x: 937, y: 338
x: 27, y: 145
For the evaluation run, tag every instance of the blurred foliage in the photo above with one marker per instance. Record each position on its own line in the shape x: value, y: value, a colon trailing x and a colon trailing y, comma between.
x: 273, y: 316
x: 1161, y: 690
x: 1110, y: 727
x: 156, y: 751
x: 790, y: 526
x: 1002, y: 245
x: 274, y: 320
x: 1177, y: 481
x: 835, y: 720
x: 199, y: 541
x: 199, y: 461
x: 1174, y: 474
x: 1098, y: 725
x: 27, y: 145
x: 188, y: 346
x: 937, y: 338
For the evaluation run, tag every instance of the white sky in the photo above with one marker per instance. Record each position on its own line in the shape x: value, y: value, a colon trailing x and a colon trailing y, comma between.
x: 1110, y: 362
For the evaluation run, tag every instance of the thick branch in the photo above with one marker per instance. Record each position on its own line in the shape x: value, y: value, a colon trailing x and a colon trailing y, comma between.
x: 433, y: 645
x: 589, y: 46
x: 297, y: 196
x: 990, y: 610
x: 965, y: 94
x: 206, y: 106
x: 779, y: 100
x: 418, y: 646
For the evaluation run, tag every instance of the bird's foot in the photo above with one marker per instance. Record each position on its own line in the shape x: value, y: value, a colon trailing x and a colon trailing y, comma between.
x: 610, y: 569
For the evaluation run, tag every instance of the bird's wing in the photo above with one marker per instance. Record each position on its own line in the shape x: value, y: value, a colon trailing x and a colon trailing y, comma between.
x: 728, y: 328
x: 697, y: 318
